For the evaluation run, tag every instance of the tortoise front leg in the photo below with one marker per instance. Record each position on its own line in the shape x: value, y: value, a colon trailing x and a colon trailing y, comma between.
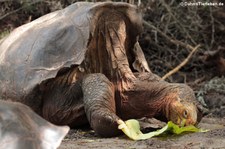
x: 99, y: 104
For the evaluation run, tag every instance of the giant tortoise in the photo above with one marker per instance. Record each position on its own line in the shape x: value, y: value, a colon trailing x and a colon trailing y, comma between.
x: 83, y: 64
x: 21, y: 128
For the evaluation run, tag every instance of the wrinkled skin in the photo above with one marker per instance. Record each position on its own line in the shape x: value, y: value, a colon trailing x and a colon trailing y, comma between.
x: 112, y: 82
x: 21, y: 128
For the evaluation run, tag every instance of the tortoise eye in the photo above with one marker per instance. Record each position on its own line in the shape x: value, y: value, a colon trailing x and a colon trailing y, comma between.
x: 185, y: 114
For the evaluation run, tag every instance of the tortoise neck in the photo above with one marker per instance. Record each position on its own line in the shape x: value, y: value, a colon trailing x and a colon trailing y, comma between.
x: 138, y: 107
x: 146, y: 101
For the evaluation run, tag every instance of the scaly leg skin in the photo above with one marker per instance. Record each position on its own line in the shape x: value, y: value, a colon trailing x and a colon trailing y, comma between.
x: 99, y: 105
x: 63, y: 104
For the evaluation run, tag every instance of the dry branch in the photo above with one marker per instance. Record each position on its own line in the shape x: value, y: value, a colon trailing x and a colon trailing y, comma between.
x: 181, y: 64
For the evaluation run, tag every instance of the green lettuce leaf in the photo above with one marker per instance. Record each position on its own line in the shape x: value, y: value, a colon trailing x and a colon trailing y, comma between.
x: 132, y: 129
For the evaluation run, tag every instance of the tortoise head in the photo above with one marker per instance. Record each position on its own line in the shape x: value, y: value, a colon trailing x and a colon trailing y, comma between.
x: 182, y: 112
x: 183, y: 108
x: 152, y: 97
